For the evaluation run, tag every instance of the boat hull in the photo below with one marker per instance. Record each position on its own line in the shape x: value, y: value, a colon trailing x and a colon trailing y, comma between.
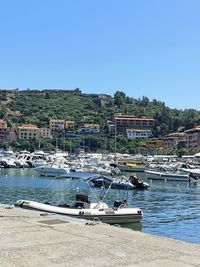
x: 131, y: 169
x: 166, y: 176
x: 107, y: 215
x: 50, y: 172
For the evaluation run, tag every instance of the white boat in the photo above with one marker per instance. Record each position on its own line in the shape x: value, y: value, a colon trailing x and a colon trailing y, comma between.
x: 192, y: 171
x: 169, y: 176
x: 52, y: 171
x: 83, y: 209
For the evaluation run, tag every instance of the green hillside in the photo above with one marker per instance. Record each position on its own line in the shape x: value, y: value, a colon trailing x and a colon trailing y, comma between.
x: 37, y: 107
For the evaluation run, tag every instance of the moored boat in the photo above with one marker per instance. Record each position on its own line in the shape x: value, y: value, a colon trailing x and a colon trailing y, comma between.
x: 52, y: 171
x: 118, y: 183
x: 169, y: 176
x: 131, y: 167
x: 83, y: 209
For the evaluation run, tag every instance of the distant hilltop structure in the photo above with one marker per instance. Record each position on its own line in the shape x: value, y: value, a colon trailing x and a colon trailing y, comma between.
x: 53, y: 90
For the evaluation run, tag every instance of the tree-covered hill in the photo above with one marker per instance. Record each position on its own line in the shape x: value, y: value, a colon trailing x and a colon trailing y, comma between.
x: 37, y: 107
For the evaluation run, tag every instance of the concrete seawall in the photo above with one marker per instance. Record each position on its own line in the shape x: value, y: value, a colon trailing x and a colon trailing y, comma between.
x: 29, y: 239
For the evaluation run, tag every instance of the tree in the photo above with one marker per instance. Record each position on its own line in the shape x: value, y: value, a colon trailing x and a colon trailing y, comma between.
x: 145, y: 101
x: 119, y: 98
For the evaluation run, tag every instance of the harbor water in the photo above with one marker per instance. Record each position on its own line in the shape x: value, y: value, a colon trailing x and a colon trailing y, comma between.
x: 170, y: 209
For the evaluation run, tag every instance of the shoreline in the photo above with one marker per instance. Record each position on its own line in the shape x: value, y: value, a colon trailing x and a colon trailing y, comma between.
x: 29, y: 239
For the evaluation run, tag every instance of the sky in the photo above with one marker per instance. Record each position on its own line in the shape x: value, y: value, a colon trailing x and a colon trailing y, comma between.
x: 141, y: 47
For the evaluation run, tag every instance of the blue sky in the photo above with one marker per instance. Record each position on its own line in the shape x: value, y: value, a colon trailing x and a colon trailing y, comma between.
x: 141, y: 47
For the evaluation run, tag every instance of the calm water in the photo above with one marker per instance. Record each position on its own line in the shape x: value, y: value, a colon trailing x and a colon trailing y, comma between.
x: 170, y: 209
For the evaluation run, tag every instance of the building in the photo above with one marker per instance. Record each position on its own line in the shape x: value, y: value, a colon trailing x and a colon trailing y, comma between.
x: 3, y: 124
x: 29, y: 132
x: 90, y: 128
x: 7, y: 135
x: 193, y: 138
x: 173, y: 139
x: 69, y: 125
x: 57, y: 125
x: 138, y: 133
x: 123, y: 122
x: 154, y: 144
x: 4, y: 132
x: 168, y: 142
x: 45, y: 133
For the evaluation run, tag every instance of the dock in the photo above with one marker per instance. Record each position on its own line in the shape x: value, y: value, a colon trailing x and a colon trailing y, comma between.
x: 31, y: 239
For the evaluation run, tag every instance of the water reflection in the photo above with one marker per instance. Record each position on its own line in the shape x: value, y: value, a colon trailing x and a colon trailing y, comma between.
x: 133, y: 226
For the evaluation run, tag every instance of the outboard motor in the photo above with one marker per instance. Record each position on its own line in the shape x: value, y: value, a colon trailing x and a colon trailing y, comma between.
x: 193, y: 176
x: 138, y: 184
x: 134, y: 180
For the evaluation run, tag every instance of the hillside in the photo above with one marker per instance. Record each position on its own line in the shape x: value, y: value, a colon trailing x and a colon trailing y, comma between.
x: 37, y: 107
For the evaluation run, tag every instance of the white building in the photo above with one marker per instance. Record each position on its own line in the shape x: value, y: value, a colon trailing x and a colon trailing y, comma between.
x: 137, y: 133
x: 90, y: 128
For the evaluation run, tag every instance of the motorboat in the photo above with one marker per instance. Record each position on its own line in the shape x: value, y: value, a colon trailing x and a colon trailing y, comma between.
x: 82, y: 208
x: 169, y: 176
x: 110, y: 182
x: 118, y: 183
x: 52, y: 171
x: 190, y: 169
x: 131, y: 167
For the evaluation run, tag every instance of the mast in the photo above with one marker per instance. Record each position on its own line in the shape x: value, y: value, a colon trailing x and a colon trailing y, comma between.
x: 115, y: 139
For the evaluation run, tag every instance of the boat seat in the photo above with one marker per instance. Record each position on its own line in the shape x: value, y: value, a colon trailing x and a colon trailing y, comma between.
x: 81, y: 205
x: 120, y: 204
x: 117, y: 204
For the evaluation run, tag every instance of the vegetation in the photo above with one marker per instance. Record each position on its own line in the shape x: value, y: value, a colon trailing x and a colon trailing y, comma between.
x: 37, y: 107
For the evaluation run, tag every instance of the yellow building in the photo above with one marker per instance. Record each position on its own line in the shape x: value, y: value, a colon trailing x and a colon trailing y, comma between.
x: 3, y: 124
x: 69, y: 125
x: 29, y: 132
x: 45, y: 133
x: 57, y: 124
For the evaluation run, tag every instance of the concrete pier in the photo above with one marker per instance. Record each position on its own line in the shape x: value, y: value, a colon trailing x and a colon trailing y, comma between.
x: 30, y: 239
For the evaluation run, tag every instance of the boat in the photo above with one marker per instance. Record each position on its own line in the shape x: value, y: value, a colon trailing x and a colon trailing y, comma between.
x: 190, y: 169
x: 168, y: 176
x: 117, y: 183
x: 131, y: 167
x: 51, y: 171
x: 82, y: 208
